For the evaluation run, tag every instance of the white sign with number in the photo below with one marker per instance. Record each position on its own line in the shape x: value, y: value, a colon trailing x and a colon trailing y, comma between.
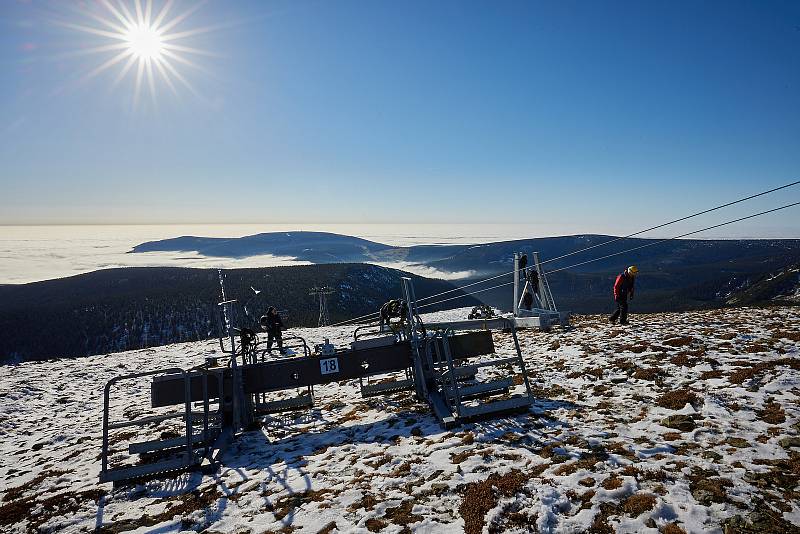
x: 329, y: 366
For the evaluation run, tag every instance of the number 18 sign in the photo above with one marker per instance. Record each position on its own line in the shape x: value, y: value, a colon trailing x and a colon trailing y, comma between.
x: 329, y: 366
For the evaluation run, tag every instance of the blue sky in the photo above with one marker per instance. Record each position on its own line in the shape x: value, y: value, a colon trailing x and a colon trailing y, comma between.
x: 610, y: 115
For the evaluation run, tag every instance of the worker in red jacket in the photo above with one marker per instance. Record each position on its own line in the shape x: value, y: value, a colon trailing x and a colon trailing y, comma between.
x: 623, y: 290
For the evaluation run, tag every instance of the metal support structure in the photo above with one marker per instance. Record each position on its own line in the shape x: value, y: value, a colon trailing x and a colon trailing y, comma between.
x: 545, y: 295
x: 544, y: 314
x: 441, y: 362
x: 515, y: 305
x: 413, y: 329
x: 322, y: 294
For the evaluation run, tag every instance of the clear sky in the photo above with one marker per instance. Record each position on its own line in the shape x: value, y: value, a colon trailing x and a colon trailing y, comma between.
x: 610, y: 115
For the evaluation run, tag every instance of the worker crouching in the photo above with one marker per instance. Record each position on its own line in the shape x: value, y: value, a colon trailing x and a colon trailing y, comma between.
x: 623, y: 291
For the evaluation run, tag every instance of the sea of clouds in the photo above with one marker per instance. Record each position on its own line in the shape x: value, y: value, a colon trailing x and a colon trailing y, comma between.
x: 35, y: 253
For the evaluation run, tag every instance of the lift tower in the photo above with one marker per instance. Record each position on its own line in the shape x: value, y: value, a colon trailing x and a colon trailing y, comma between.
x: 322, y: 293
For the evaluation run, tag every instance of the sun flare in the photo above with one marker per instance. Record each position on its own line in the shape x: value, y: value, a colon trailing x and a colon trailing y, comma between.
x: 143, y: 42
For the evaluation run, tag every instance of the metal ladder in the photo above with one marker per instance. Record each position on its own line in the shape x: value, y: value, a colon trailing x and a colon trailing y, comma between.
x: 172, y: 455
x: 470, y: 399
x: 451, y: 389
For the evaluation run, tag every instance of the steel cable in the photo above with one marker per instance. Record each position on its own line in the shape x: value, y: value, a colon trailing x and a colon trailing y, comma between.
x: 681, y: 219
x: 625, y: 251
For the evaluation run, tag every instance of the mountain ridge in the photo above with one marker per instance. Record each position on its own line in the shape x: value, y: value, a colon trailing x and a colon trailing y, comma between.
x: 483, y: 258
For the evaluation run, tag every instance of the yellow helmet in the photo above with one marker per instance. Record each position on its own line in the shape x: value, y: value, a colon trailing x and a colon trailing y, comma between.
x: 634, y: 270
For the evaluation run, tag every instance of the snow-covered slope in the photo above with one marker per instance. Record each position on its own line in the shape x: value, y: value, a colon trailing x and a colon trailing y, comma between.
x: 679, y: 422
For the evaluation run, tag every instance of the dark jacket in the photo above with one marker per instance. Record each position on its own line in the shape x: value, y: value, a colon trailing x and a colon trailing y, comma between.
x: 623, y: 287
x: 274, y: 323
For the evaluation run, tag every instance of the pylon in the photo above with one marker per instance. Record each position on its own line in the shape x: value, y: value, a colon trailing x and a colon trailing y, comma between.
x: 322, y: 293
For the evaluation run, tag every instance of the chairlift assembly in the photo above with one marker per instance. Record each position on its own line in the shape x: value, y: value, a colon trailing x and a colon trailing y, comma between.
x: 440, y: 362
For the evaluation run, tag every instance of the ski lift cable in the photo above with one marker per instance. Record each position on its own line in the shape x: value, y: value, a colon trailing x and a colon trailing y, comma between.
x: 626, y: 251
x: 672, y: 222
x: 377, y: 314
x: 727, y: 204
x: 356, y: 319
x: 432, y: 303
x: 677, y: 236
x: 472, y: 284
x: 466, y: 285
x: 465, y: 295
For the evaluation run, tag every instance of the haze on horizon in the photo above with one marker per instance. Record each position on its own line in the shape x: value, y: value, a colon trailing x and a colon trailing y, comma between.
x: 591, y: 117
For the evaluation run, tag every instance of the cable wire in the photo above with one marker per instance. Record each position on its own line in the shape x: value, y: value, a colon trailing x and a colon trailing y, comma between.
x: 672, y: 222
x: 727, y: 204
x: 653, y: 243
x: 681, y: 219
x: 465, y: 295
x: 356, y: 319
x: 626, y: 251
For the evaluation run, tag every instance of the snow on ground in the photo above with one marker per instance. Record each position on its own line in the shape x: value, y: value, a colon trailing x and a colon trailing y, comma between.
x: 678, y: 422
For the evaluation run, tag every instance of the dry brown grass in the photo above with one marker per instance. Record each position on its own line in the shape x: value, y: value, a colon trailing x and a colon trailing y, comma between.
x: 384, y: 459
x: 636, y: 348
x: 327, y: 529
x: 402, y: 470
x: 639, y: 503
x: 650, y: 373
x: 672, y: 528
x: 681, y: 359
x: 283, y: 507
x: 367, y: 502
x: 600, y: 523
x: 375, y: 525
x: 459, y: 457
x: 780, y: 334
x: 38, y: 512
x: 611, y: 483
x: 714, y: 373
x: 401, y: 515
x: 772, y: 413
x: 682, y: 341
x: 480, y: 497
x: 14, y: 493
x: 624, y: 364
x: 740, y: 375
x: 597, y: 372
x: 677, y: 399
x: 707, y: 488
x: 619, y: 448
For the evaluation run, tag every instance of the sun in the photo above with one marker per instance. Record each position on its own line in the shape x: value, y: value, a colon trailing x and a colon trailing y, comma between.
x: 144, y: 42
x: 144, y: 39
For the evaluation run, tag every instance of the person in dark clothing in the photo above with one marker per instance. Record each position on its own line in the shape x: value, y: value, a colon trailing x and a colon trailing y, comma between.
x: 273, y: 324
x: 623, y: 291
x: 394, y: 309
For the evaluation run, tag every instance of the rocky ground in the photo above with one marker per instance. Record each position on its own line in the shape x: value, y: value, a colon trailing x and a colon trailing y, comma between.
x: 685, y: 422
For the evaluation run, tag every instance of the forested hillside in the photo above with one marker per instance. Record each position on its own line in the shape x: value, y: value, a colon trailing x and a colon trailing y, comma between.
x: 123, y: 309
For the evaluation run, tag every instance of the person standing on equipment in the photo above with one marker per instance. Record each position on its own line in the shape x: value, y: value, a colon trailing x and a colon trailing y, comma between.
x: 623, y: 290
x: 273, y: 324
